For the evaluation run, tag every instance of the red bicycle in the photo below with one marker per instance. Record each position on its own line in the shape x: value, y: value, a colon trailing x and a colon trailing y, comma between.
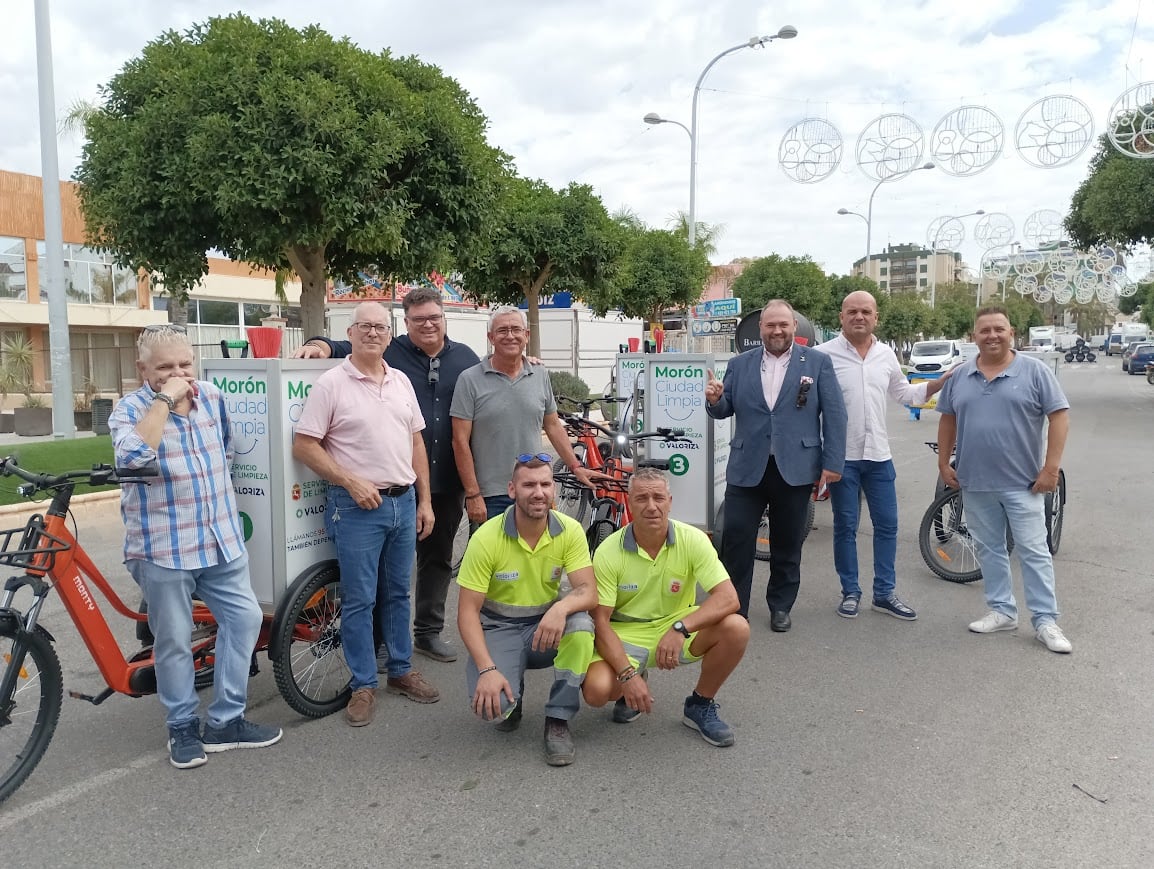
x: 302, y: 637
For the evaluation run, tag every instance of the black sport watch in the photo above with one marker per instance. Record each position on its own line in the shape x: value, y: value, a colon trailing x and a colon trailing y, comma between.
x: 679, y: 626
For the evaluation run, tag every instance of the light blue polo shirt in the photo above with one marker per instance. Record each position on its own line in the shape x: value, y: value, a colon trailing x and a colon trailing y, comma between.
x: 1000, y: 422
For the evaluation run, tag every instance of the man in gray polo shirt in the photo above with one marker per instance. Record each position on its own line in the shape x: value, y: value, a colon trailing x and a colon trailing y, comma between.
x: 994, y: 408
x: 499, y: 409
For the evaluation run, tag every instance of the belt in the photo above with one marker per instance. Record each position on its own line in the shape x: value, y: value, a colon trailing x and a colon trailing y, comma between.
x: 393, y: 491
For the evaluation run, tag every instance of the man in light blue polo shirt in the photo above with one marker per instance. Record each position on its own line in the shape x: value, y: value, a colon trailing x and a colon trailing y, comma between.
x: 994, y: 409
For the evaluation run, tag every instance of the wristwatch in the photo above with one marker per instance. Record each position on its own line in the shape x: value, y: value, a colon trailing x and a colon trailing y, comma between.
x: 166, y: 398
x: 679, y: 626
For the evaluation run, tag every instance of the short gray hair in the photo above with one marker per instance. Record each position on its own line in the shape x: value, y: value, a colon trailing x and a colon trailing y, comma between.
x: 646, y: 474
x: 502, y: 310
x: 160, y: 335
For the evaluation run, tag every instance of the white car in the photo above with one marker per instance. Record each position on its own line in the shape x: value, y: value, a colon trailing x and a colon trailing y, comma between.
x: 934, y: 357
x: 968, y: 349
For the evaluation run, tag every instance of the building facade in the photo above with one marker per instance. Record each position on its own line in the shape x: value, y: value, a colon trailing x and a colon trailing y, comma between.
x: 910, y: 268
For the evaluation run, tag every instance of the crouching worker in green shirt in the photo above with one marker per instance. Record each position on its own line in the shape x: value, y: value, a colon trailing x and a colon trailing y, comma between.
x: 647, y: 578
x: 510, y: 616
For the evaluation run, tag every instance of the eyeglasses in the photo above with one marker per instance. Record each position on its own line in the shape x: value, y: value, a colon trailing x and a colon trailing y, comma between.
x: 166, y: 327
x: 434, y: 320
x: 525, y: 458
x: 802, y: 394
x: 509, y: 331
x: 369, y: 328
x: 434, y: 369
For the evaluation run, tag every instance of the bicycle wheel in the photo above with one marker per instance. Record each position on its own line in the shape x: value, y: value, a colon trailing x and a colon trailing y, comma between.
x: 946, y: 545
x: 603, y: 524
x: 28, y: 717
x: 761, y: 548
x: 460, y: 542
x: 1055, y: 514
x: 574, y: 500
x: 307, y: 658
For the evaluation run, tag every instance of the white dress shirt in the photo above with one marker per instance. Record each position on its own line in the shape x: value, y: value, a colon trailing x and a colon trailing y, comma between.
x: 864, y: 386
x: 773, y: 374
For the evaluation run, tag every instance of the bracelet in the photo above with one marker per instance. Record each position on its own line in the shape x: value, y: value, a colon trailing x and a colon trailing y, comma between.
x: 166, y: 398
x: 476, y: 495
x: 481, y: 673
x: 626, y: 674
x: 627, y: 678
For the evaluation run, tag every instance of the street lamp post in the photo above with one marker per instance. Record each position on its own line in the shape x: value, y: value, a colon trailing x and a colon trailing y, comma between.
x: 869, y: 215
x: 934, y: 254
x: 786, y: 32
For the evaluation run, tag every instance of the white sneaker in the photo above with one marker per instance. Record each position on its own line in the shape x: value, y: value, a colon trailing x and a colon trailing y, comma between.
x: 994, y: 621
x: 1052, y: 637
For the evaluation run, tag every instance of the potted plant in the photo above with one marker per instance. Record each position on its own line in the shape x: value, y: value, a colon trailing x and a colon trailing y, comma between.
x: 82, y: 405
x: 34, y: 418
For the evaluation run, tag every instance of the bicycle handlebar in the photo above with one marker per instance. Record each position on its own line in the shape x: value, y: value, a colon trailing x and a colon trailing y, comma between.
x: 97, y: 475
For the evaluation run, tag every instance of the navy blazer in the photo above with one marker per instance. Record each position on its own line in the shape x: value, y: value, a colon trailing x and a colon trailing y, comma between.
x: 805, y: 439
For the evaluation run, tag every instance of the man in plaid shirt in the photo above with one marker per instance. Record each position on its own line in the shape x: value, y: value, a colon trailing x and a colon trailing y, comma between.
x: 183, y: 538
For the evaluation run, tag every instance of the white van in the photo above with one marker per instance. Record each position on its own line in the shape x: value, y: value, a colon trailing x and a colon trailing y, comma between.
x: 934, y: 357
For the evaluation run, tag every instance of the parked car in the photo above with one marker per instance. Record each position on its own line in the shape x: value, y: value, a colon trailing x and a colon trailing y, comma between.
x: 1127, y: 353
x: 1140, y: 356
x: 934, y: 357
x: 968, y: 349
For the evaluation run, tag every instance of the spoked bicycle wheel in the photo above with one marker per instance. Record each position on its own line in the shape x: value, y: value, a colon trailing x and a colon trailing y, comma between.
x: 307, y: 657
x: 29, y: 715
x: 1055, y: 514
x: 604, y: 523
x: 460, y: 542
x: 946, y: 544
x: 761, y: 547
x: 573, y: 499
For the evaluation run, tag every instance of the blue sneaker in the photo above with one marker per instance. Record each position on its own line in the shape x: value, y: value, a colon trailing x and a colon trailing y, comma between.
x: 895, y: 608
x: 702, y: 717
x: 240, y: 733
x: 622, y: 714
x: 849, y: 606
x: 185, y: 750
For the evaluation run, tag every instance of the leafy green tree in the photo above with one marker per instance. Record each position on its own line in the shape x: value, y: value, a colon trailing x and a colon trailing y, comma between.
x: 284, y: 148
x: 907, y: 317
x: 542, y: 240
x: 796, y: 279
x: 657, y: 270
x: 1115, y: 202
x: 706, y: 236
x: 841, y: 286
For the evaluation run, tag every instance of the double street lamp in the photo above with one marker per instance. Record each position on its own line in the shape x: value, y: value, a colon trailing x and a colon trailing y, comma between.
x: 786, y: 32
x: 934, y: 253
x: 868, y: 217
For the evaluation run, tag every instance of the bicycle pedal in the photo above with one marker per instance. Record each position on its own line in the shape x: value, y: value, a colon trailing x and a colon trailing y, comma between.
x: 95, y: 701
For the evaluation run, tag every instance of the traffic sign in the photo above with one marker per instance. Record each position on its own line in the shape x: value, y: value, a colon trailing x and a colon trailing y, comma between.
x: 718, y: 308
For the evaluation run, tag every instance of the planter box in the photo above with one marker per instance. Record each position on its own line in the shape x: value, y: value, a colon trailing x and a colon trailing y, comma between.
x: 7, y: 423
x: 82, y: 419
x: 33, y: 421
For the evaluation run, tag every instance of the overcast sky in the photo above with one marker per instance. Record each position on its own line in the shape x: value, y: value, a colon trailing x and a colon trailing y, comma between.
x: 565, y: 84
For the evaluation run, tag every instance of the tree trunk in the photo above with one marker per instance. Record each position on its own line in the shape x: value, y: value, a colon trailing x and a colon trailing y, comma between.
x: 309, y: 264
x: 533, y: 298
x: 178, y: 310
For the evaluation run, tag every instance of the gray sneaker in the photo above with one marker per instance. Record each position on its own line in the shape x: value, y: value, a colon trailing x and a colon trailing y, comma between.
x: 432, y: 646
x: 559, y: 749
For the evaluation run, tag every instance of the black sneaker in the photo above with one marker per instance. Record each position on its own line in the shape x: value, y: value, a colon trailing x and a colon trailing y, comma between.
x: 185, y: 750
x: 622, y: 714
x: 511, y: 721
x: 432, y: 646
x: 240, y: 733
x: 559, y: 749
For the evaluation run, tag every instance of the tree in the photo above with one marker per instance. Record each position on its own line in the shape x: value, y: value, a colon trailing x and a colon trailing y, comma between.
x: 1115, y: 203
x: 706, y: 234
x: 539, y: 238
x: 657, y: 270
x: 284, y: 148
x: 796, y: 279
x: 907, y: 317
x: 841, y: 286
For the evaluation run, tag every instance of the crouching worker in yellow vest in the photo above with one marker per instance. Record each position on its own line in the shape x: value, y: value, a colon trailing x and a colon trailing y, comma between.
x: 647, y: 578
x: 509, y: 614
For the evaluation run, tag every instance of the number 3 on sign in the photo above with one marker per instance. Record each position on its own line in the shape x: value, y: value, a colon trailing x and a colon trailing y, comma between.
x: 678, y: 465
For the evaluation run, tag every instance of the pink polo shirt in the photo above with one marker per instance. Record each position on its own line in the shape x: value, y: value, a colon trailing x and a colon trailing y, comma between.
x: 365, y: 428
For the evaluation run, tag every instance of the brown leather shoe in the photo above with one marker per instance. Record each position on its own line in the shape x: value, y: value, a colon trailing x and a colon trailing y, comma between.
x: 359, y: 710
x: 413, y: 686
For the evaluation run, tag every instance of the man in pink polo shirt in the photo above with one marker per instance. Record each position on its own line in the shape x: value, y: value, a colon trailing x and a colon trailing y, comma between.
x: 361, y: 431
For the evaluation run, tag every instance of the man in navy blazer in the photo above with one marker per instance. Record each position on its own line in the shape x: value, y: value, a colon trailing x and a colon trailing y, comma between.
x: 789, y: 433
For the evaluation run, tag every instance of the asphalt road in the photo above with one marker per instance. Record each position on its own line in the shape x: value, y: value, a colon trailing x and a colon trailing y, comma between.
x: 859, y: 743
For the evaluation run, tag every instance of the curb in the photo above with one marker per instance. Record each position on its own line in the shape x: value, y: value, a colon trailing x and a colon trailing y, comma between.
x: 82, y: 507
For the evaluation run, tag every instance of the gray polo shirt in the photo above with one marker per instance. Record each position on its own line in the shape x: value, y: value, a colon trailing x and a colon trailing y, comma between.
x: 507, y: 415
x: 1000, y: 422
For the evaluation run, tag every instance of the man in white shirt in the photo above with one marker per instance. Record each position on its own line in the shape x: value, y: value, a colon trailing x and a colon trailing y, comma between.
x: 867, y: 371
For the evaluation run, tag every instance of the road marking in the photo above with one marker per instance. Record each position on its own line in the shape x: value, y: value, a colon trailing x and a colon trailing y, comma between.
x: 73, y: 791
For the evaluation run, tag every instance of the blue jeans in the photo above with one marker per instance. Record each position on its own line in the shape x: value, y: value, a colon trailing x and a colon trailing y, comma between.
x: 375, y: 551
x: 876, y: 481
x: 226, y: 591
x: 987, y: 514
x: 495, y: 505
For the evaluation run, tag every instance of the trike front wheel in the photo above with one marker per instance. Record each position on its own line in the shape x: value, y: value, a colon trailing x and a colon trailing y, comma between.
x: 30, y: 710
x: 307, y: 657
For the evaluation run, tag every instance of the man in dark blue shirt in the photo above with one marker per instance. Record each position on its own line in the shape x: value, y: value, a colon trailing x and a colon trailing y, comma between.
x: 432, y: 363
